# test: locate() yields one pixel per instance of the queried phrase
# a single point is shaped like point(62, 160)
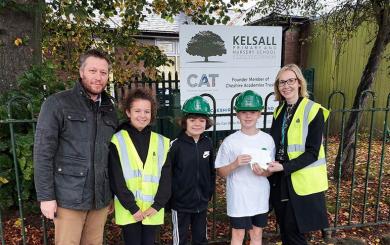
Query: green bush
point(30, 94)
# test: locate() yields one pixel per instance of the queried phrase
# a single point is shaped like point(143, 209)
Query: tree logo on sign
point(206, 44)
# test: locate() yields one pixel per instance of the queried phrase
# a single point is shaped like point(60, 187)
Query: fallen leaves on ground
point(368, 194)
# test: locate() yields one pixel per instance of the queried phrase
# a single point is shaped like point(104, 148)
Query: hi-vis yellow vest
point(142, 180)
point(312, 178)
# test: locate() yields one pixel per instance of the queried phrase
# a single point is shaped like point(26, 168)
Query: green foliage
point(72, 26)
point(30, 95)
point(24, 149)
point(127, 64)
point(7, 181)
point(286, 8)
point(24, 7)
point(39, 82)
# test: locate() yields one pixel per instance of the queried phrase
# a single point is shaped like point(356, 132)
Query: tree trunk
point(16, 57)
point(36, 43)
point(346, 151)
point(206, 59)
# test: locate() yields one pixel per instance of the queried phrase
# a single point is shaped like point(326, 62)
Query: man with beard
point(73, 133)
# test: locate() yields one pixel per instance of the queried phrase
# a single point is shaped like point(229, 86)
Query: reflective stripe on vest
point(312, 178)
point(138, 195)
point(141, 179)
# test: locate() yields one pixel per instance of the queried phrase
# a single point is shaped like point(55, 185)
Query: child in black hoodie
point(193, 174)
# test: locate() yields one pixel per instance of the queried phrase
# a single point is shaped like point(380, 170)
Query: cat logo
point(207, 80)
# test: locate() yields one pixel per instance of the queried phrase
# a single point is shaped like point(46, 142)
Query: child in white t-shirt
point(238, 159)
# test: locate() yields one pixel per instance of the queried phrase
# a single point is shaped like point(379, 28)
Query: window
point(171, 49)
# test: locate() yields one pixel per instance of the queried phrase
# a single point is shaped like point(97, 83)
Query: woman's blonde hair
point(302, 81)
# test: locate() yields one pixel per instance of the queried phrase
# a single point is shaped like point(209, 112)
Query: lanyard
point(284, 127)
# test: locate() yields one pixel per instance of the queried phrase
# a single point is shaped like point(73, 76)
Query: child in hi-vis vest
point(193, 173)
point(140, 176)
point(238, 159)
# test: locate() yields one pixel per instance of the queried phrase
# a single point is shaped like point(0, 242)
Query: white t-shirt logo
point(206, 154)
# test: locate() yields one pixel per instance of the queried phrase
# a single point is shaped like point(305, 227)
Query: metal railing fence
point(167, 92)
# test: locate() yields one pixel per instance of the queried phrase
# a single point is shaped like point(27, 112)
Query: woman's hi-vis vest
point(312, 178)
point(142, 180)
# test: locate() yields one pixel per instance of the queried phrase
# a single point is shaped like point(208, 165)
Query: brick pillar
point(291, 47)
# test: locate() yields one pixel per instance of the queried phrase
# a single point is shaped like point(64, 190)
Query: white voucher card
point(259, 156)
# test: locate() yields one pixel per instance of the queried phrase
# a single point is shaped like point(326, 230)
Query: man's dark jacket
point(193, 173)
point(73, 134)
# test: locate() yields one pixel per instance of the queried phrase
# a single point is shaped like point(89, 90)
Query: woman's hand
point(275, 166)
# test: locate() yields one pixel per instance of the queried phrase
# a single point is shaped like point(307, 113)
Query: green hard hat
point(196, 105)
point(248, 101)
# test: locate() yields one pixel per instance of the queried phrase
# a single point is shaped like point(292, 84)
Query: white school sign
point(223, 61)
